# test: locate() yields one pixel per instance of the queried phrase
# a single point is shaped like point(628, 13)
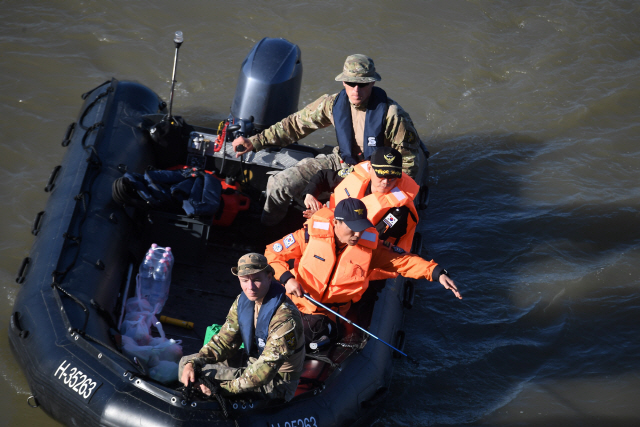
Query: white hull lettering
point(75, 380)
point(306, 422)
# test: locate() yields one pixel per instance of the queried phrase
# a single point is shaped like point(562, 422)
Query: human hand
point(205, 389)
point(449, 284)
point(294, 288)
point(242, 145)
point(312, 203)
point(188, 374)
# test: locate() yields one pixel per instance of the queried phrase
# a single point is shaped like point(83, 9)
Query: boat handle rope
point(35, 228)
point(86, 110)
point(86, 94)
point(22, 271)
point(52, 179)
point(67, 137)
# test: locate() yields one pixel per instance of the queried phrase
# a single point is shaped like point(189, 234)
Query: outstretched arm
point(396, 260)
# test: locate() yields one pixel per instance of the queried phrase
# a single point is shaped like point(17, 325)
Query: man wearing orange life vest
point(380, 183)
point(333, 255)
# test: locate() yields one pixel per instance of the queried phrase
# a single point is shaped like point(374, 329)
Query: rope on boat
point(189, 392)
point(86, 110)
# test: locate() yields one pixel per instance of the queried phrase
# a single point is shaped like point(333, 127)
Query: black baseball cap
point(387, 162)
point(354, 213)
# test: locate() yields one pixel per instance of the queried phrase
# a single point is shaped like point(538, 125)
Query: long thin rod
point(173, 80)
point(319, 304)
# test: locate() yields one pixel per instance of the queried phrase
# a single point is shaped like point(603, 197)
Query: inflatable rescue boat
point(65, 325)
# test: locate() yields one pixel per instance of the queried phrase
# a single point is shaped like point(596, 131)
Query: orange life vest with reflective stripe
point(378, 204)
point(354, 185)
point(327, 277)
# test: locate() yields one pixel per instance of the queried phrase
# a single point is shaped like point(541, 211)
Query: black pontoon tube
point(319, 304)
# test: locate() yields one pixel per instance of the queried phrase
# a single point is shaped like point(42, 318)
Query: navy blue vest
point(253, 338)
point(373, 124)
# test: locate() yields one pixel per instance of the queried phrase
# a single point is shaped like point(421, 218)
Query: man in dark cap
point(380, 183)
point(364, 119)
point(269, 325)
point(333, 255)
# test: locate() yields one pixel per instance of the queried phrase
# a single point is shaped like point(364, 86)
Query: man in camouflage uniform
point(269, 325)
point(395, 129)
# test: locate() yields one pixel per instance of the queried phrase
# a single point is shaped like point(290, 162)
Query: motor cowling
point(268, 87)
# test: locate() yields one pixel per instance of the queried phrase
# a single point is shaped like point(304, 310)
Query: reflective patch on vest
point(321, 225)
point(290, 339)
point(397, 249)
point(261, 342)
point(320, 258)
point(342, 173)
point(367, 235)
point(371, 141)
point(365, 166)
point(289, 240)
point(398, 193)
point(277, 247)
point(390, 220)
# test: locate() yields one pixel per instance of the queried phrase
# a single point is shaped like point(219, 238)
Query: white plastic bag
point(165, 372)
point(131, 349)
point(138, 330)
point(166, 349)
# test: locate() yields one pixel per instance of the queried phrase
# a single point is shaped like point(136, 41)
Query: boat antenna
point(177, 40)
point(319, 304)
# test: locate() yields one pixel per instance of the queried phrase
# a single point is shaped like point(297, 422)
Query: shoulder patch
point(289, 240)
point(397, 250)
point(342, 173)
point(290, 339)
point(277, 247)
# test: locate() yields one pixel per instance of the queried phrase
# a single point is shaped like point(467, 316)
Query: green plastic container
point(211, 331)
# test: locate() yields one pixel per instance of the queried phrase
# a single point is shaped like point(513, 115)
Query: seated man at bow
point(386, 191)
point(269, 325)
point(334, 254)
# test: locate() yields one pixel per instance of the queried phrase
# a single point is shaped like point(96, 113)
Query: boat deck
point(203, 287)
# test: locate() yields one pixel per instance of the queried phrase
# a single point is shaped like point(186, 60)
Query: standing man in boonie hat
point(386, 191)
point(269, 325)
point(364, 119)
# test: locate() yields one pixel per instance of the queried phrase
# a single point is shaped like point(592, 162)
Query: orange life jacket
point(378, 204)
point(328, 278)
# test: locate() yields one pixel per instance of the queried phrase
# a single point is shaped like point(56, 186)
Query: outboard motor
point(268, 88)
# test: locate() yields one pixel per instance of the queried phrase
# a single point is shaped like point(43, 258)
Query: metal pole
point(319, 304)
point(178, 42)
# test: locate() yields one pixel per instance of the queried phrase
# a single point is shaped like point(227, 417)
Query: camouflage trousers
point(288, 185)
point(277, 388)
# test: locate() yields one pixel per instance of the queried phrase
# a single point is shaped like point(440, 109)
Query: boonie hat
point(249, 264)
point(358, 69)
point(354, 213)
point(386, 162)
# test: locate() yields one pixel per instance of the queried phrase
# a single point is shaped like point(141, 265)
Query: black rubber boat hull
point(60, 323)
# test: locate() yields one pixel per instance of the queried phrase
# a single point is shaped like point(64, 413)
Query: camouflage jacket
point(399, 131)
point(285, 336)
